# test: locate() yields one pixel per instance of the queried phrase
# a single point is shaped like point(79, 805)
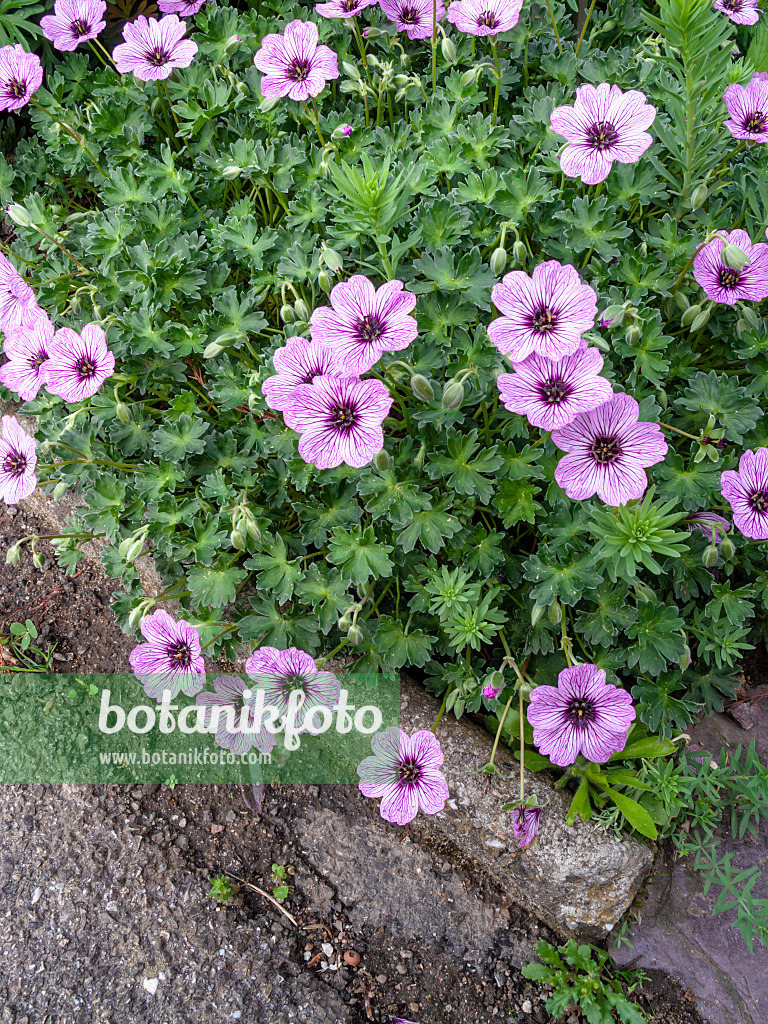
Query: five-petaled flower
point(583, 714)
point(525, 824)
point(342, 8)
point(231, 707)
point(21, 75)
point(152, 48)
point(544, 314)
point(726, 284)
point(416, 17)
point(27, 349)
point(18, 305)
point(363, 321)
point(553, 393)
point(73, 22)
point(748, 109)
point(604, 124)
point(18, 459)
point(300, 361)
point(742, 12)
point(294, 65)
point(608, 452)
point(484, 17)
point(339, 419)
point(79, 363)
point(746, 490)
point(282, 673)
point(171, 659)
point(186, 8)
point(405, 772)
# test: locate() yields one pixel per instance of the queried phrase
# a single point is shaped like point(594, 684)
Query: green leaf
point(757, 53)
point(636, 815)
point(514, 501)
point(325, 590)
point(319, 516)
point(398, 648)
point(566, 575)
point(580, 804)
point(359, 554)
point(177, 440)
point(276, 572)
point(465, 471)
point(657, 637)
point(431, 527)
point(212, 586)
point(718, 395)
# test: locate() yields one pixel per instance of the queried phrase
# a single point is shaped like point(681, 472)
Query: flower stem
point(666, 426)
point(498, 80)
point(65, 251)
point(315, 119)
point(554, 26)
point(364, 58)
point(434, 47)
point(74, 135)
point(440, 713)
point(501, 726)
point(584, 28)
point(218, 636)
point(98, 55)
point(322, 661)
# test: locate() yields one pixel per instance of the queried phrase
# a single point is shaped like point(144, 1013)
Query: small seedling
point(279, 875)
point(90, 687)
point(222, 889)
point(172, 782)
point(19, 642)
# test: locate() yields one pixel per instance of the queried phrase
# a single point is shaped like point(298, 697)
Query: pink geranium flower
point(18, 459)
point(742, 12)
point(73, 22)
point(415, 17)
point(294, 64)
point(27, 350)
point(300, 361)
point(186, 8)
point(748, 109)
point(18, 305)
point(725, 284)
point(152, 48)
point(544, 314)
point(525, 824)
point(231, 707)
point(603, 125)
point(343, 8)
point(21, 75)
point(281, 673)
point(405, 772)
point(171, 659)
point(362, 321)
point(747, 493)
point(79, 363)
point(608, 452)
point(484, 17)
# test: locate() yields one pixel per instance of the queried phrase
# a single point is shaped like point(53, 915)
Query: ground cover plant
point(429, 333)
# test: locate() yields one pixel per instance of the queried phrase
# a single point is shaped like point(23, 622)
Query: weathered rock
point(576, 879)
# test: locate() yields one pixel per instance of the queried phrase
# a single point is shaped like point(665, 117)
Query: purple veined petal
point(484, 17)
point(747, 493)
point(726, 285)
point(73, 22)
point(153, 49)
point(293, 63)
point(18, 460)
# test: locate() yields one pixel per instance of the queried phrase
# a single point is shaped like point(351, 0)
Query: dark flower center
point(17, 89)
point(732, 5)
point(158, 57)
point(488, 19)
point(299, 70)
point(409, 16)
point(544, 320)
point(370, 328)
point(309, 376)
point(80, 28)
point(86, 368)
point(180, 654)
point(580, 711)
point(293, 681)
point(38, 359)
point(758, 501)
point(410, 773)
point(555, 391)
point(15, 463)
point(344, 417)
point(602, 135)
point(755, 122)
point(348, 5)
point(605, 450)
point(728, 277)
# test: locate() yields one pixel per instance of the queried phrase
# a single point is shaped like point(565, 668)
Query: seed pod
point(20, 216)
point(710, 556)
point(325, 281)
point(498, 260)
point(13, 554)
point(734, 257)
point(212, 350)
point(448, 48)
point(632, 334)
point(287, 314)
point(681, 301)
point(519, 252)
point(727, 548)
point(355, 635)
point(555, 613)
point(230, 172)
point(453, 395)
point(421, 387)
point(237, 540)
point(537, 613)
point(381, 461)
point(700, 321)
point(59, 489)
point(698, 196)
point(690, 315)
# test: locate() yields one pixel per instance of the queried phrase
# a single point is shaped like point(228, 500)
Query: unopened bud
point(123, 412)
point(448, 48)
point(13, 554)
point(134, 549)
point(690, 315)
point(323, 169)
point(498, 261)
point(468, 78)
point(734, 257)
point(325, 281)
point(381, 461)
point(727, 548)
point(332, 260)
point(345, 622)
point(341, 131)
point(38, 559)
point(212, 350)
point(710, 556)
point(700, 321)
point(301, 310)
point(698, 196)
point(751, 317)
point(138, 613)
point(632, 334)
point(231, 45)
point(372, 33)
point(230, 172)
point(20, 216)
point(59, 489)
point(355, 635)
point(681, 301)
point(613, 317)
point(422, 388)
point(519, 252)
point(555, 613)
point(685, 658)
point(269, 103)
point(287, 314)
point(537, 613)
point(453, 395)
point(400, 81)
point(421, 454)
point(237, 540)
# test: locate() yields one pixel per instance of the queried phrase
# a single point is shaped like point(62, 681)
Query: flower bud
point(134, 549)
point(323, 170)
point(138, 613)
point(448, 48)
point(681, 300)
point(59, 489)
point(690, 315)
point(698, 196)
point(355, 635)
point(710, 556)
point(332, 260)
point(468, 78)
point(727, 548)
point(421, 387)
point(418, 462)
point(555, 613)
point(301, 310)
point(231, 45)
point(381, 461)
point(400, 81)
point(372, 33)
point(38, 559)
point(287, 314)
point(498, 260)
point(734, 257)
point(13, 555)
point(269, 103)
point(405, 61)
point(230, 172)
point(632, 334)
point(537, 614)
point(453, 395)
point(345, 622)
point(751, 317)
point(612, 317)
point(325, 281)
point(212, 350)
point(700, 321)
point(123, 412)
point(685, 658)
point(20, 216)
point(237, 540)
point(341, 131)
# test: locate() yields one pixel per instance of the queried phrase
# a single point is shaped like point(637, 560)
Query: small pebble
point(401, 969)
point(327, 949)
point(352, 957)
point(150, 984)
point(382, 979)
point(36, 895)
point(527, 1006)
